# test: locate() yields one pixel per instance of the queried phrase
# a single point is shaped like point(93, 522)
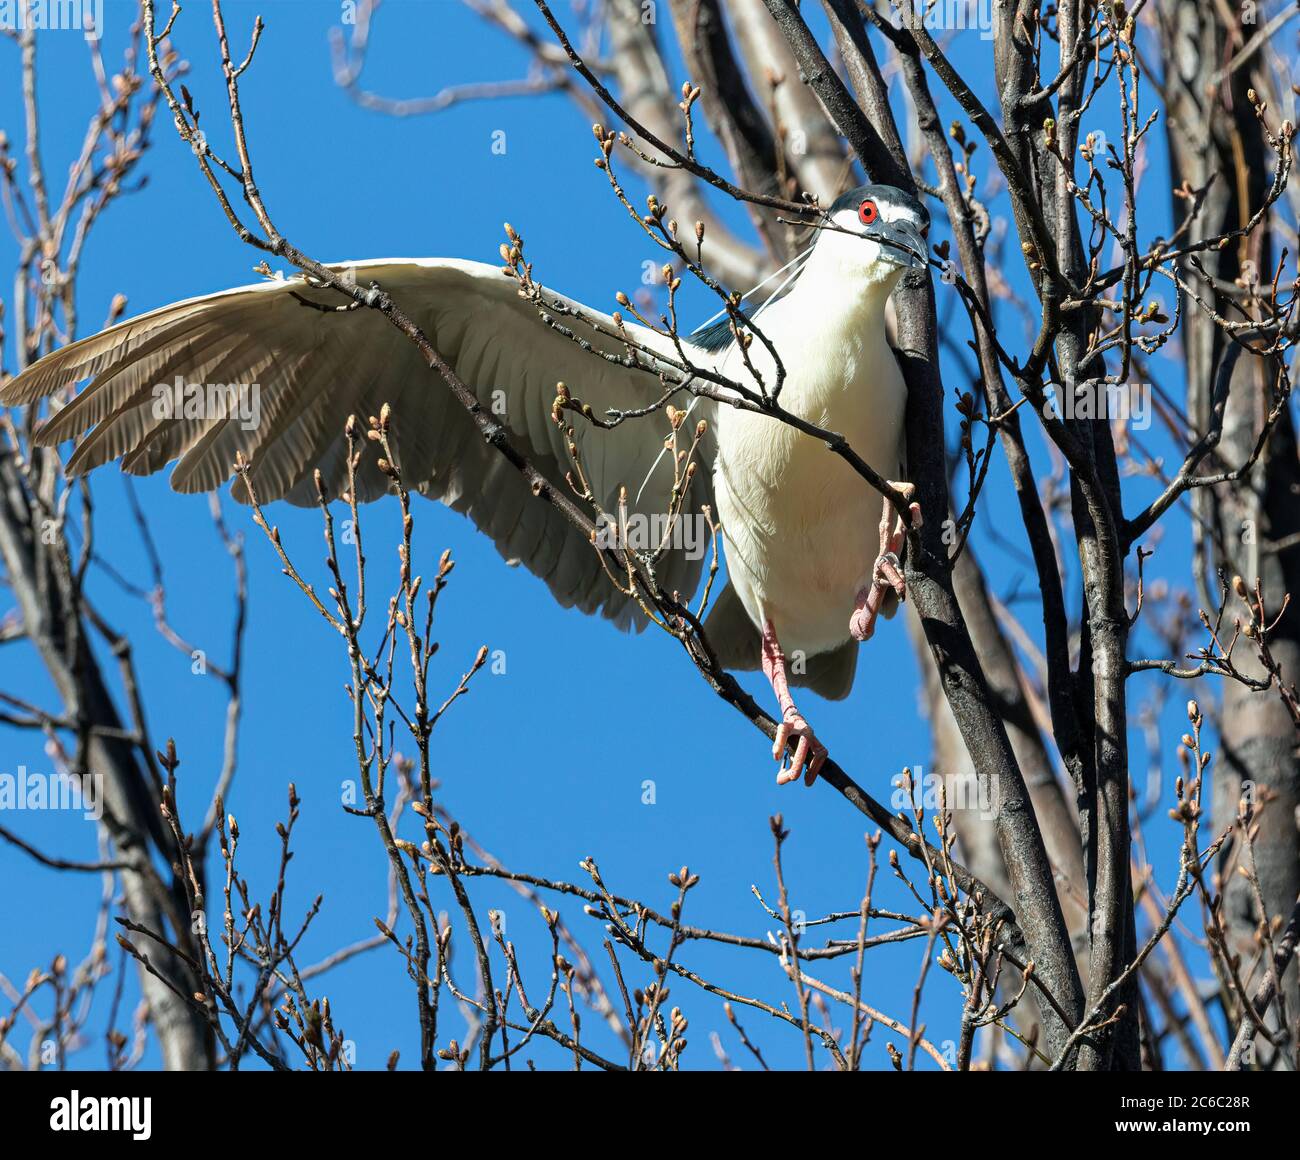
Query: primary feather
point(313, 368)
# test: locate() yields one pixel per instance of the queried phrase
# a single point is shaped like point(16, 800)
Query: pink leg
point(809, 753)
point(888, 572)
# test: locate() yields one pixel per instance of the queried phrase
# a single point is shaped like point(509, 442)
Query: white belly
point(801, 527)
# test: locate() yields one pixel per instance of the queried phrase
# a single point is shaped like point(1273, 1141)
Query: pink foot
point(887, 572)
point(809, 753)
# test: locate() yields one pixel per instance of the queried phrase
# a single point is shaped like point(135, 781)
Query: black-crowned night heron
point(807, 578)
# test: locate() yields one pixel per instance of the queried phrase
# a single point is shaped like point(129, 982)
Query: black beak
point(900, 243)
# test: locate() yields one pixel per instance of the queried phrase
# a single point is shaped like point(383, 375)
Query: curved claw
point(809, 753)
point(888, 574)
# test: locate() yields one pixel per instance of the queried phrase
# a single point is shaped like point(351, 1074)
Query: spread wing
point(293, 374)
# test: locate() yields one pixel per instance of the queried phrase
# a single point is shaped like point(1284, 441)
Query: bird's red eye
point(867, 212)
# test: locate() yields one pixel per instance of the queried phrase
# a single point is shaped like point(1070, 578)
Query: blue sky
point(545, 763)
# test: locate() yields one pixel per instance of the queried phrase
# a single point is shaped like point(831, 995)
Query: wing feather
point(305, 370)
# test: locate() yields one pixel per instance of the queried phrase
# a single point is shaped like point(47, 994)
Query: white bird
point(272, 371)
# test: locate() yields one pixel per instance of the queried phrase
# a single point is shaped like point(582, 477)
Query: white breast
point(800, 525)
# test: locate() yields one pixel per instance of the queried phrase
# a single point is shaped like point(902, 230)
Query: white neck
point(838, 271)
point(833, 296)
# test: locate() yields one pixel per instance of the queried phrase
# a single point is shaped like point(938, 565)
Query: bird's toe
point(809, 753)
point(889, 574)
point(862, 623)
